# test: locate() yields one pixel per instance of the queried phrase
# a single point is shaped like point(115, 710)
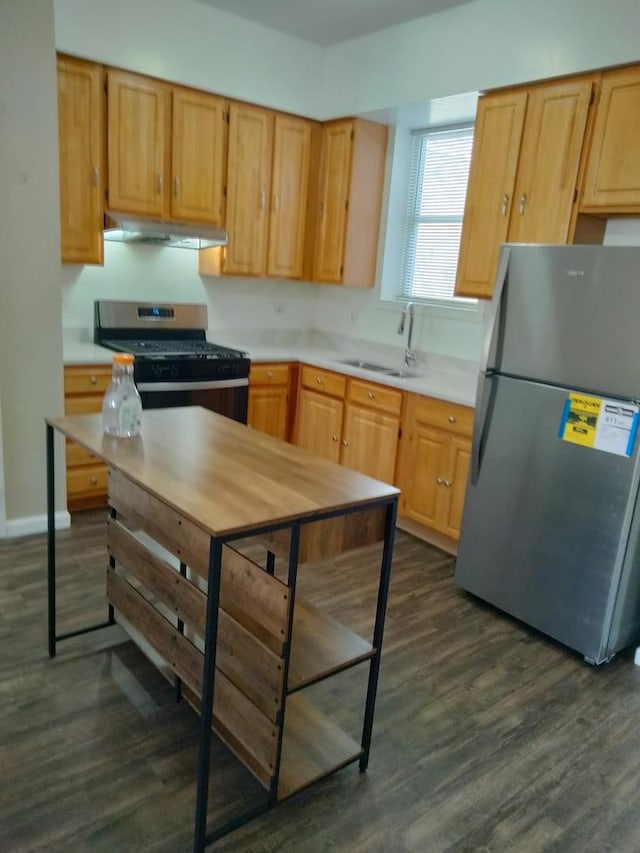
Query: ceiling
point(329, 22)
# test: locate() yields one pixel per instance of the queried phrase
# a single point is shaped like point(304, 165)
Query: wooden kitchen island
point(240, 643)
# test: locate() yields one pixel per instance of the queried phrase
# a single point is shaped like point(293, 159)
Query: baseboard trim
point(428, 536)
point(31, 524)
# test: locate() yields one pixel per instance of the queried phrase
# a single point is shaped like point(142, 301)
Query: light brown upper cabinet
point(267, 196)
point(167, 150)
point(248, 188)
point(524, 173)
point(289, 193)
point(496, 145)
point(612, 178)
point(350, 184)
point(198, 156)
point(552, 142)
point(81, 150)
point(139, 113)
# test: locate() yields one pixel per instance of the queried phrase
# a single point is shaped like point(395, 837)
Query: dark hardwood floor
point(487, 736)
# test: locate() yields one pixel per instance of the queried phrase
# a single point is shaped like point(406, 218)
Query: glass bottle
point(122, 406)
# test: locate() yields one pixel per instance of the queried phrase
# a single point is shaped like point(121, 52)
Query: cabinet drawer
point(87, 379)
point(83, 405)
point(375, 396)
point(438, 413)
point(269, 374)
point(77, 456)
point(323, 380)
point(90, 480)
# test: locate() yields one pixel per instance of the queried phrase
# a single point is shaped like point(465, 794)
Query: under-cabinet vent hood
point(154, 232)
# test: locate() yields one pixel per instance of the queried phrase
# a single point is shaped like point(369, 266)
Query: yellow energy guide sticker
point(580, 419)
point(609, 425)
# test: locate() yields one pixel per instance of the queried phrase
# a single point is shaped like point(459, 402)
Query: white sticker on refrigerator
point(608, 425)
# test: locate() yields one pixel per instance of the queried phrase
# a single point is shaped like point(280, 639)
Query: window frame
point(413, 219)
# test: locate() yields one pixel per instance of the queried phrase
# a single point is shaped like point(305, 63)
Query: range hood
point(154, 232)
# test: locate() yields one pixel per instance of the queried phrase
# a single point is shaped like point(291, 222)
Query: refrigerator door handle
point(490, 352)
point(480, 417)
point(489, 345)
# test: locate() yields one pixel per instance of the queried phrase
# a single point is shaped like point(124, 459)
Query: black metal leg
point(178, 681)
point(206, 709)
point(374, 668)
point(51, 543)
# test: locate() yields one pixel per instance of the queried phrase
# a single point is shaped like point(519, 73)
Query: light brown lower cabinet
point(349, 421)
point(87, 479)
point(434, 463)
point(269, 399)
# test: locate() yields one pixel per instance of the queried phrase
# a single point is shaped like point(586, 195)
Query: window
point(439, 172)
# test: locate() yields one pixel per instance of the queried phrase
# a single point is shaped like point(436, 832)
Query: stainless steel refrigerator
point(550, 532)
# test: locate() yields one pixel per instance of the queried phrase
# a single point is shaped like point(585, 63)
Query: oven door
point(227, 397)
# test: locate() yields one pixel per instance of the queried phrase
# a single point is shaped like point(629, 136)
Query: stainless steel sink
point(366, 365)
point(397, 372)
point(404, 374)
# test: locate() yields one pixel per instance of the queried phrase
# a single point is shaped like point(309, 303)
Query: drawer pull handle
point(345, 443)
point(505, 204)
point(447, 484)
point(94, 481)
point(334, 438)
point(371, 395)
point(452, 419)
point(440, 481)
point(318, 380)
point(269, 374)
point(94, 380)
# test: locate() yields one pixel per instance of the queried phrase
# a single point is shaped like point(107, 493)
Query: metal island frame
point(241, 645)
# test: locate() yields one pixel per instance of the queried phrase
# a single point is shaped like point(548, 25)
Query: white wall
point(191, 43)
point(479, 45)
point(150, 273)
point(30, 311)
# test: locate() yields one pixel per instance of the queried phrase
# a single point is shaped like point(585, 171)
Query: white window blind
point(439, 172)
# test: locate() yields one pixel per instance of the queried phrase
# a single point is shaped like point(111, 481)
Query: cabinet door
point(334, 180)
point(549, 158)
point(268, 410)
point(199, 150)
point(319, 424)
point(291, 152)
point(80, 132)
point(496, 145)
point(424, 493)
point(139, 110)
point(249, 178)
point(612, 178)
point(370, 443)
point(458, 474)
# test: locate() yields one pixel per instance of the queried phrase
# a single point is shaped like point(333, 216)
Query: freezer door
point(569, 316)
point(545, 525)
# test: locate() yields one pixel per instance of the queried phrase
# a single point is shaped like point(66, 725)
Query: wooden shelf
point(321, 646)
point(312, 747)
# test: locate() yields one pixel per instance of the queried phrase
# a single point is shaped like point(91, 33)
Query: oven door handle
point(209, 385)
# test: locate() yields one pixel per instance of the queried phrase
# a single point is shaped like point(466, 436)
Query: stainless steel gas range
point(175, 365)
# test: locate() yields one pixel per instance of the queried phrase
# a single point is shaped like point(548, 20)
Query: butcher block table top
point(223, 476)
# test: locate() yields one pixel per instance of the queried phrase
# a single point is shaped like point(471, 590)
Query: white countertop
point(446, 378)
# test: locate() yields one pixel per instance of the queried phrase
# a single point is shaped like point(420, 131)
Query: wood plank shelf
point(312, 747)
point(321, 646)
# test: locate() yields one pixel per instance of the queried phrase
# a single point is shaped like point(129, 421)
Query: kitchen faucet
point(409, 355)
